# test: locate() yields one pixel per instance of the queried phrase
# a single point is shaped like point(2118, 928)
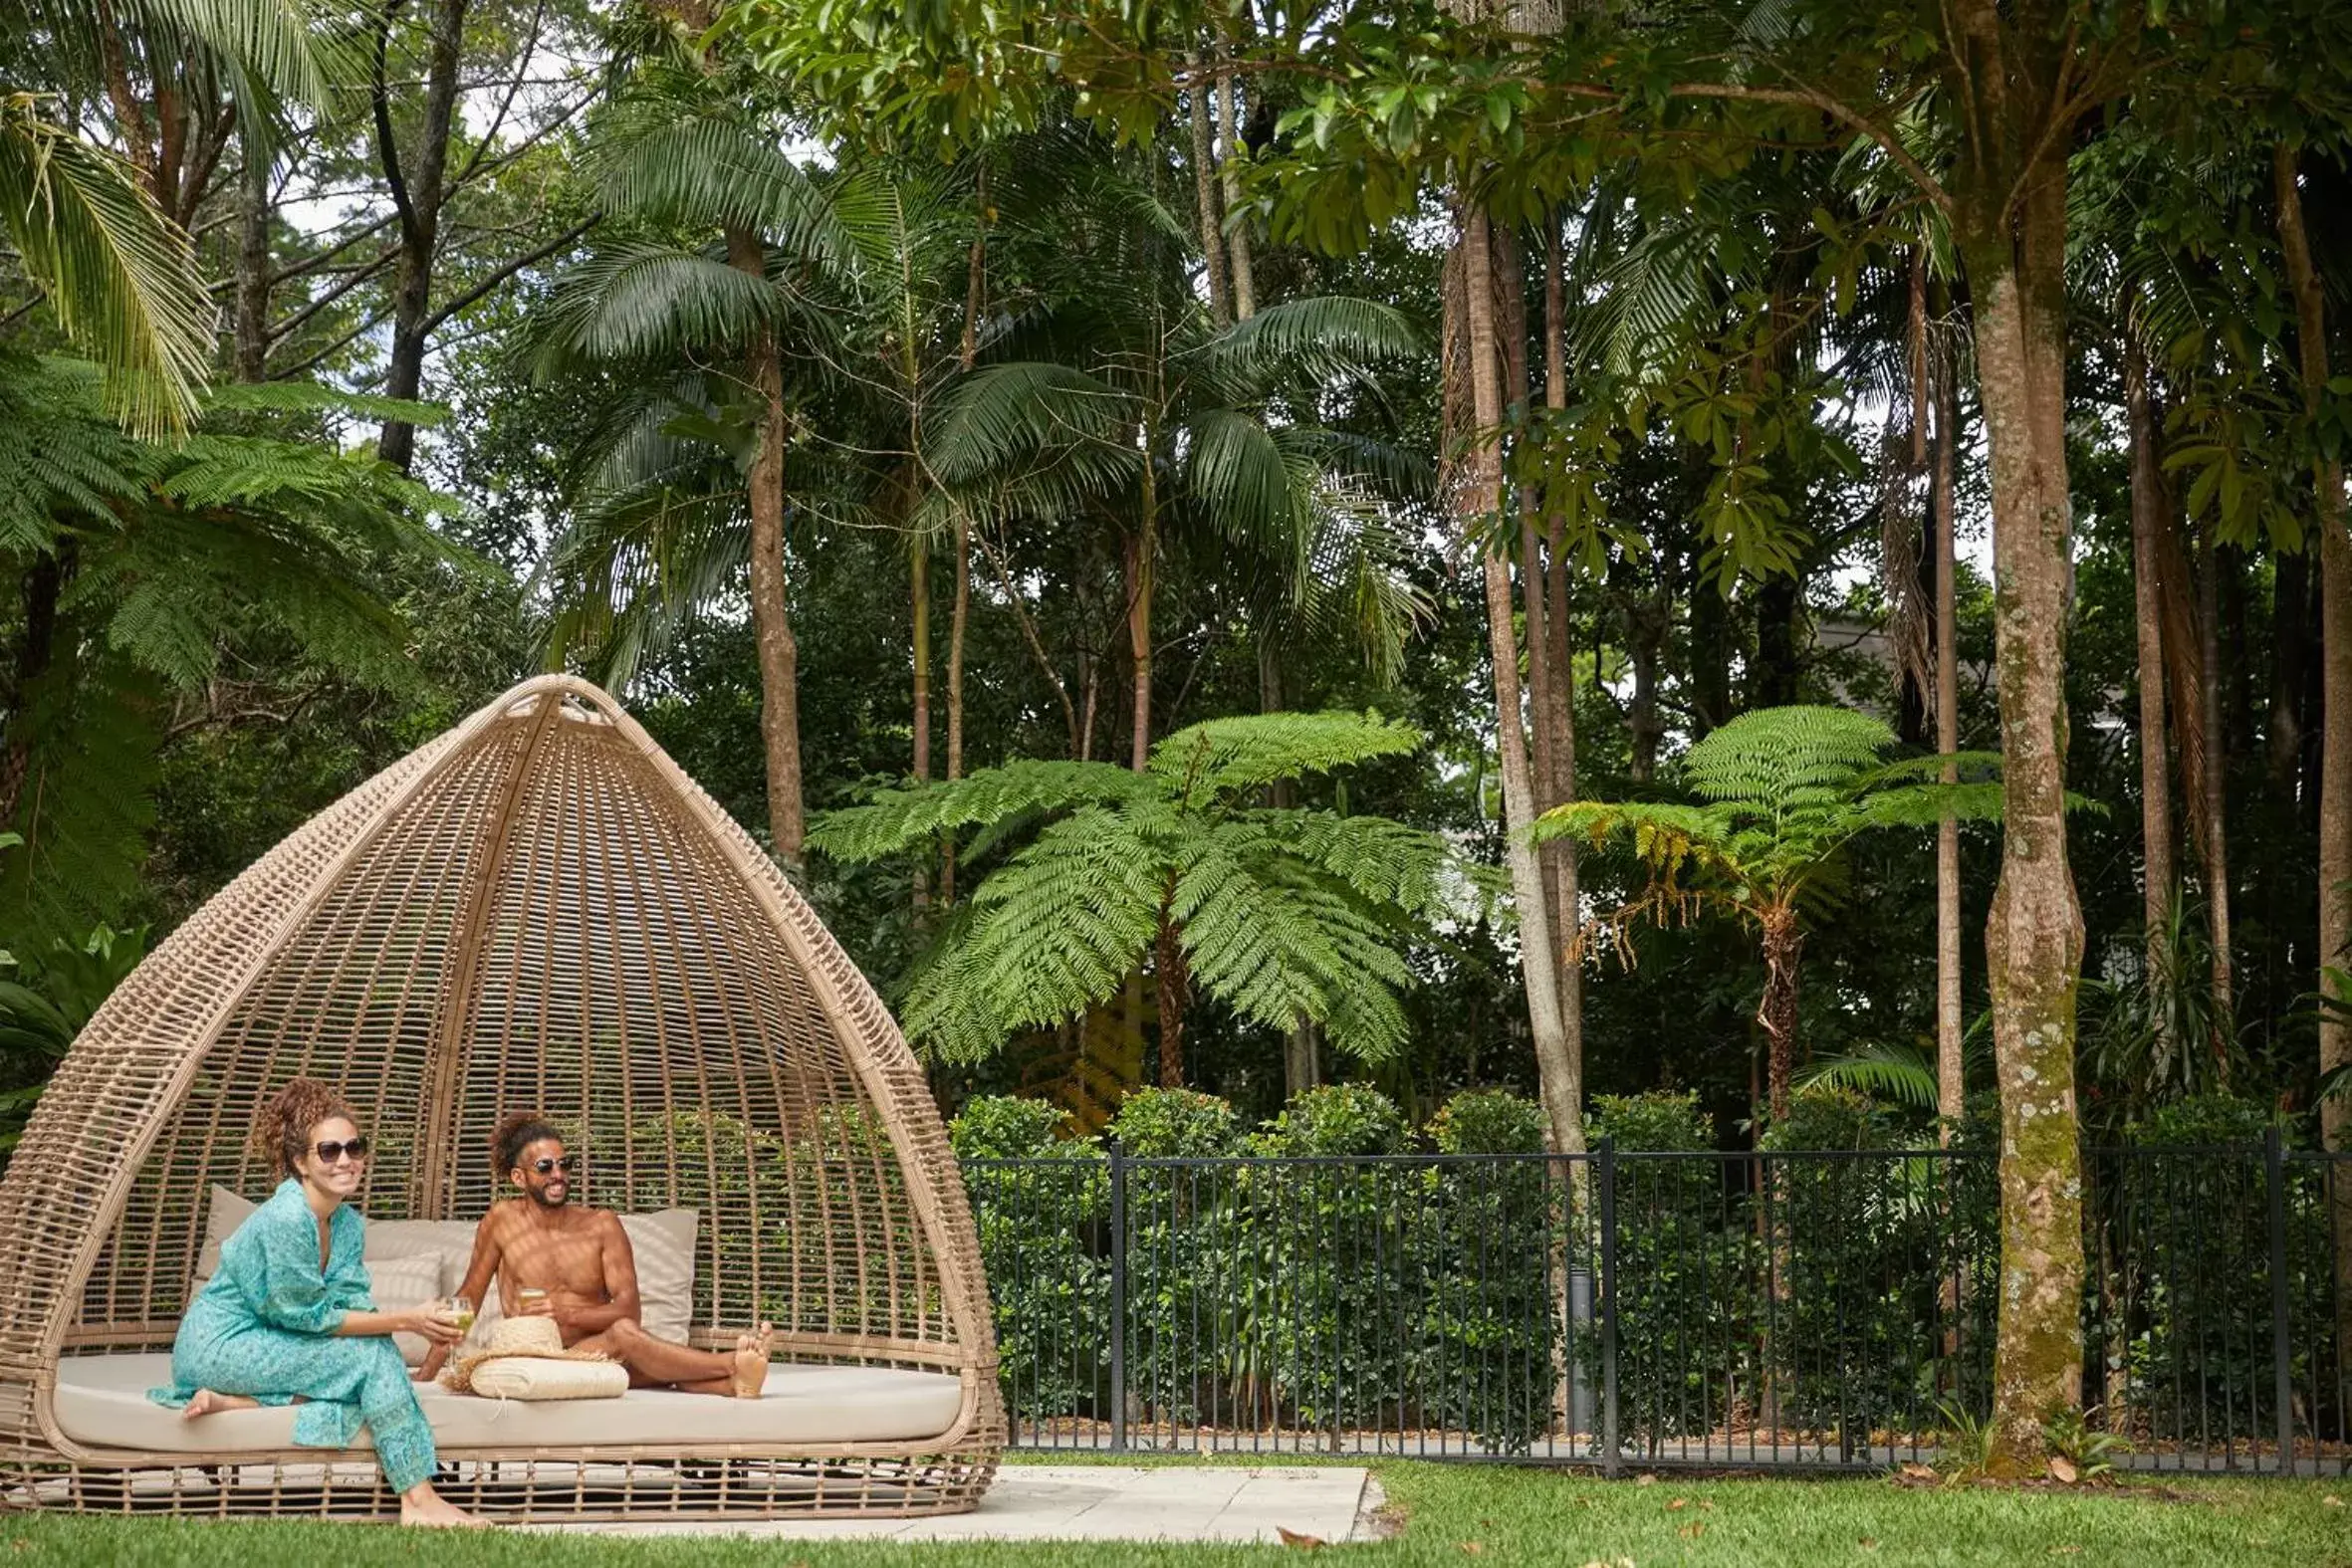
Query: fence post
point(1118, 1295)
point(1610, 1462)
point(2275, 1178)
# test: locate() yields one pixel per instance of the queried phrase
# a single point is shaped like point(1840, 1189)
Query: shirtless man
point(580, 1259)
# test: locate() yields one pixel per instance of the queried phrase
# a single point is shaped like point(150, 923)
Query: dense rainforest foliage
point(1080, 482)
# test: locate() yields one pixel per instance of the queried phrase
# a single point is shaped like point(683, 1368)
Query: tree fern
point(1783, 793)
point(1282, 915)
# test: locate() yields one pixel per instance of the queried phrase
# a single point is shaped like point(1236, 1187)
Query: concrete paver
point(1096, 1503)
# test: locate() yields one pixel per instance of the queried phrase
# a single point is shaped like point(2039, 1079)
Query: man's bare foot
point(428, 1509)
point(206, 1402)
point(751, 1361)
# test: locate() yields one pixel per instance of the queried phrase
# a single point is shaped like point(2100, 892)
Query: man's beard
point(539, 1196)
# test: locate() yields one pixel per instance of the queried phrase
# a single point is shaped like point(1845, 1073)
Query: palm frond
point(121, 277)
point(710, 169)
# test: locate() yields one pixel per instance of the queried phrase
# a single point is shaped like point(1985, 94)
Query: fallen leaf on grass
point(1473, 1548)
point(1294, 1538)
point(1692, 1531)
point(1918, 1472)
point(2065, 1552)
point(2062, 1471)
point(1868, 1543)
point(1678, 1504)
point(1645, 1481)
point(2332, 1500)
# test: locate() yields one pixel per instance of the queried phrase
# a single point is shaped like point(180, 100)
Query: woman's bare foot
point(751, 1361)
point(428, 1509)
point(206, 1402)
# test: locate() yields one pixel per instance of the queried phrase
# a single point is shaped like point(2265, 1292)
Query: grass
point(1451, 1513)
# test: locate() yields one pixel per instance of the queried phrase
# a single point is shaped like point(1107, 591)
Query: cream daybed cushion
point(663, 1245)
point(103, 1401)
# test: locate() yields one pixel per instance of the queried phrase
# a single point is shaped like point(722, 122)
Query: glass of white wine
point(462, 1308)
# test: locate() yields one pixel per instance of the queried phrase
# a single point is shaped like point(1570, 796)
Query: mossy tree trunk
point(2011, 221)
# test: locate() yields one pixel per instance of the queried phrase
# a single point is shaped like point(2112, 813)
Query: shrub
point(1488, 1121)
point(1336, 1119)
point(1684, 1266)
point(1856, 1276)
point(1040, 1239)
point(1176, 1124)
point(1344, 1273)
point(1010, 1127)
point(1660, 1120)
point(1497, 1273)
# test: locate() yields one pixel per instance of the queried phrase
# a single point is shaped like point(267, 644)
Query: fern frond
point(898, 820)
point(1221, 757)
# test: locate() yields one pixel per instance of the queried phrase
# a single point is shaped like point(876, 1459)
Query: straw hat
point(534, 1347)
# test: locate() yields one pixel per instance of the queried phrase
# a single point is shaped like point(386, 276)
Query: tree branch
point(508, 269)
point(379, 100)
point(1853, 119)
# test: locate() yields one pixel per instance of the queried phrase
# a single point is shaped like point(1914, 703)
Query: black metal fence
point(1786, 1309)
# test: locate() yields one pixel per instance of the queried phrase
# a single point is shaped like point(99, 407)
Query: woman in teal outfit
point(289, 1319)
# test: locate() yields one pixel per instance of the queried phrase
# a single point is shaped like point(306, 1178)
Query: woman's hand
point(433, 1321)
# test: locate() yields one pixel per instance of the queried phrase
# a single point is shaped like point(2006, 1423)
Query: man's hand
point(566, 1306)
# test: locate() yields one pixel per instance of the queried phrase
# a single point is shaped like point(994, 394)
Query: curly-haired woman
point(289, 1317)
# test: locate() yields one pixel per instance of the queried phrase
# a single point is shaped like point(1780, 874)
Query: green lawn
point(1451, 1513)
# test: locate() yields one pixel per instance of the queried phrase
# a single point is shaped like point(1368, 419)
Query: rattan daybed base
point(538, 909)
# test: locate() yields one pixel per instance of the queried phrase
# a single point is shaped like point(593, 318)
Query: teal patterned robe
point(264, 1328)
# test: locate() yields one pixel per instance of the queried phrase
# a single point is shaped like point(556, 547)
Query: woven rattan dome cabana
point(538, 909)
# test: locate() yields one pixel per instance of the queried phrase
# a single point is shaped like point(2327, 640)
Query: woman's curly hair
point(283, 1131)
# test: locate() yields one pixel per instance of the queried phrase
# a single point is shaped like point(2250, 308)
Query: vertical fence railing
point(1799, 1309)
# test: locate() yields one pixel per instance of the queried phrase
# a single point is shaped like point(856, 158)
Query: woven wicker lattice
point(538, 910)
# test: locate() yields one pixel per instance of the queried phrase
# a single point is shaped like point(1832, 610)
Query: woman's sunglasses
point(331, 1151)
point(569, 1164)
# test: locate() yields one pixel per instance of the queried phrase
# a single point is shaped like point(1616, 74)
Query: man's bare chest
point(553, 1260)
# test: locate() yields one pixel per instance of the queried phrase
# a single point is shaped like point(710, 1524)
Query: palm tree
point(1125, 400)
point(1784, 790)
point(1280, 913)
point(686, 321)
point(86, 223)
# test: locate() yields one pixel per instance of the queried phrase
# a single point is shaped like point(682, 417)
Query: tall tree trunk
point(2214, 791)
point(252, 350)
point(1556, 711)
point(959, 617)
point(1773, 682)
point(2335, 766)
point(919, 614)
point(1646, 628)
point(1139, 547)
point(1237, 238)
point(2291, 673)
point(2013, 238)
point(1950, 1077)
point(36, 649)
point(1478, 496)
point(416, 198)
point(1204, 191)
point(1711, 655)
point(772, 629)
point(2150, 503)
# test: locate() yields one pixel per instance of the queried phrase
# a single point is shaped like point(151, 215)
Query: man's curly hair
point(513, 1135)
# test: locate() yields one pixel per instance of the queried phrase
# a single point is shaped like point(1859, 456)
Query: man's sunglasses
point(331, 1151)
point(569, 1164)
